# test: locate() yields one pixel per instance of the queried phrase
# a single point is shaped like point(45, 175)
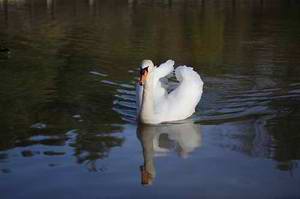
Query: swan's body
point(155, 105)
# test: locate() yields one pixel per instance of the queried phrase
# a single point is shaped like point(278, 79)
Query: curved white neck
point(147, 109)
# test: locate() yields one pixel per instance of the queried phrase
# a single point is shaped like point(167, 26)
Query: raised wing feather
point(183, 100)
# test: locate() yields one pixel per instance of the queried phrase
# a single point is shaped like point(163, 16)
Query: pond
point(68, 70)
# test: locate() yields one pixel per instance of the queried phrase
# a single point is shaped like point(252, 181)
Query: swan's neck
point(148, 110)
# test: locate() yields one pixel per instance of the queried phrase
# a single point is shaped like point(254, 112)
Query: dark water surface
point(67, 75)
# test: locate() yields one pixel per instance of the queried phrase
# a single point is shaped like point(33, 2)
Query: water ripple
point(231, 103)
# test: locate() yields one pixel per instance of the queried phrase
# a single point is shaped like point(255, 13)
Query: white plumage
point(155, 105)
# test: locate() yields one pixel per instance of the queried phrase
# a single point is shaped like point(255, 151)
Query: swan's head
point(146, 67)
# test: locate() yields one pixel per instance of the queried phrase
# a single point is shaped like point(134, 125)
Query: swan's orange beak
point(143, 77)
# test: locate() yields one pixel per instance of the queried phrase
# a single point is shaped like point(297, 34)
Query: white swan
point(155, 105)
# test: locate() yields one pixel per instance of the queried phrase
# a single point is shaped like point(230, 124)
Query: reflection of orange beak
point(146, 176)
point(143, 78)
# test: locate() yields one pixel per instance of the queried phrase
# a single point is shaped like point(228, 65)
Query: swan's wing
point(160, 91)
point(190, 83)
point(164, 82)
point(183, 100)
point(164, 69)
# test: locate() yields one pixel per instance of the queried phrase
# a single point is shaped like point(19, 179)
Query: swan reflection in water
point(159, 140)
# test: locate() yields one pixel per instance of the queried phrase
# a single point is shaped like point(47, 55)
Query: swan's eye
point(142, 72)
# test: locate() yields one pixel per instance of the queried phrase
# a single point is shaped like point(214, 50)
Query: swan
point(154, 104)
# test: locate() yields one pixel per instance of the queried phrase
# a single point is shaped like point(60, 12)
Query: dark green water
point(67, 75)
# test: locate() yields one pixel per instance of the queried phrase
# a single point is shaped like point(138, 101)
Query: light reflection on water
point(67, 98)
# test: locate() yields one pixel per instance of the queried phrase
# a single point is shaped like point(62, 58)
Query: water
point(67, 114)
